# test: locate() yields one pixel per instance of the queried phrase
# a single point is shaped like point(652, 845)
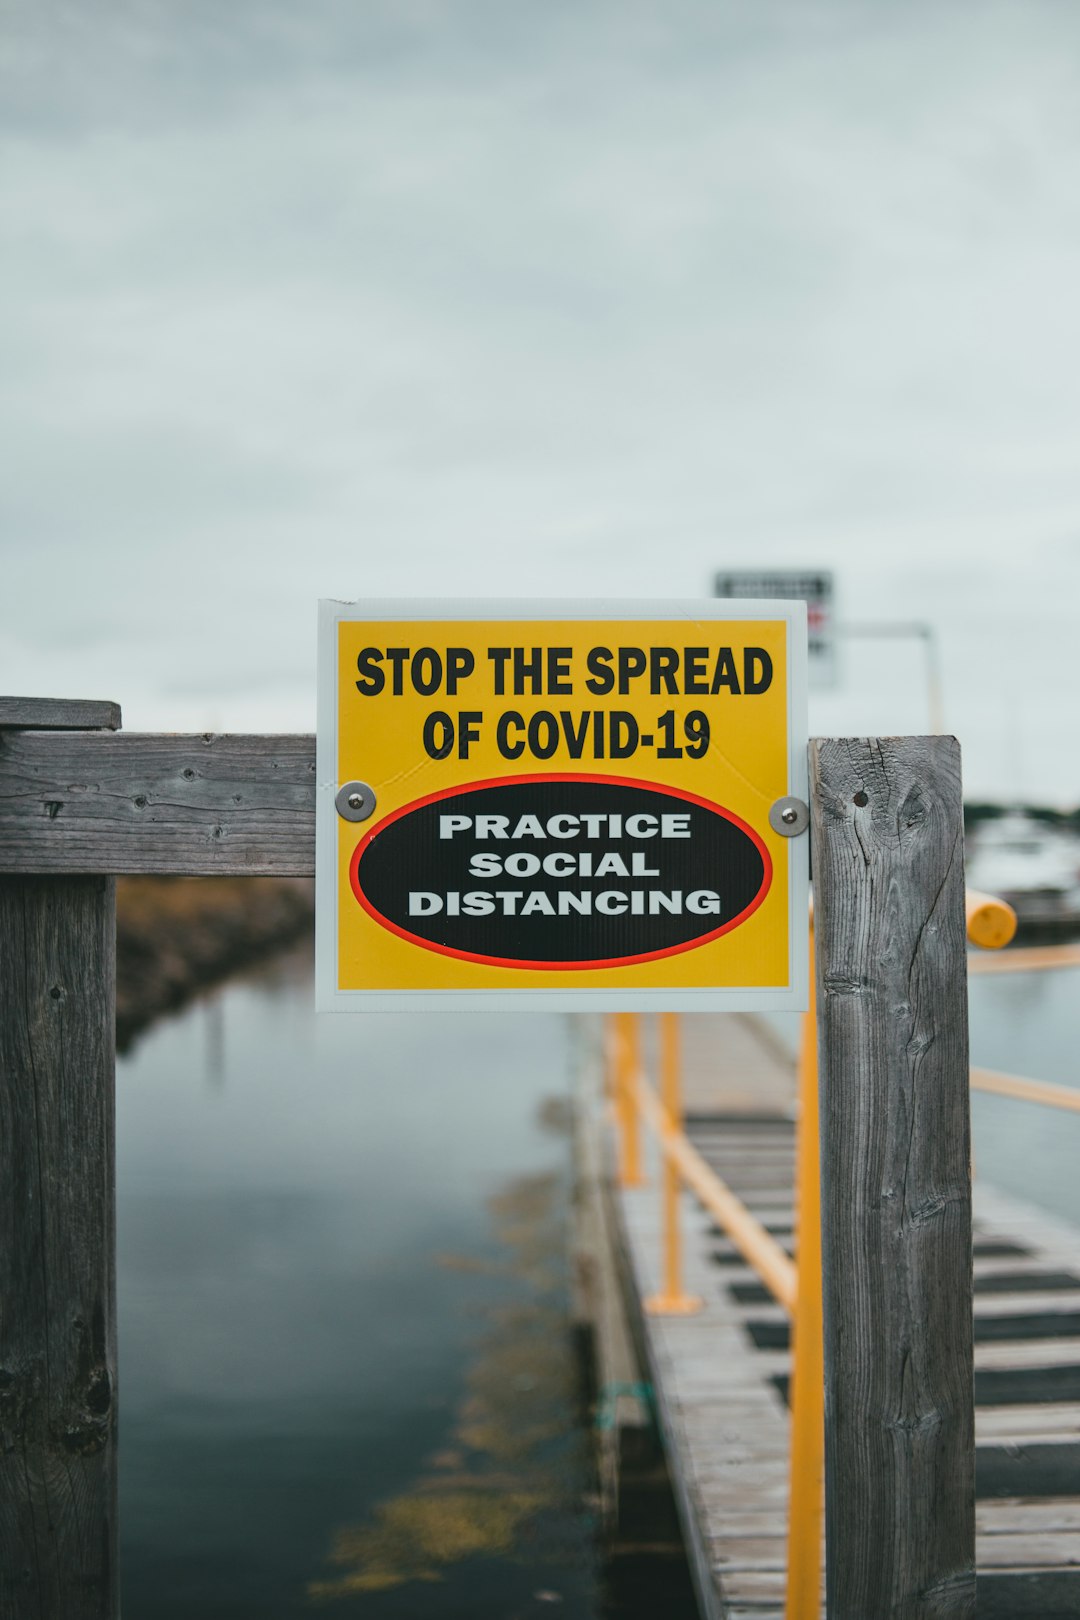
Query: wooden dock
point(721, 1377)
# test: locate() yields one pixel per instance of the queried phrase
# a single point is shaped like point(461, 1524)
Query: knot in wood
point(920, 1042)
point(930, 1209)
point(847, 984)
point(953, 1594)
point(19, 1395)
point(90, 1427)
point(914, 811)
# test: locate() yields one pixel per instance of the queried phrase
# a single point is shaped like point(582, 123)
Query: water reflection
point(214, 1025)
point(342, 1300)
point(510, 1484)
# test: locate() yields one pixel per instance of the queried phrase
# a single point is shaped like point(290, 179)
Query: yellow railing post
point(611, 1058)
point(671, 1300)
point(806, 1506)
point(628, 1064)
point(757, 1246)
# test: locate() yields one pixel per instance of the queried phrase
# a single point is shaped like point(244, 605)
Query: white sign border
point(792, 997)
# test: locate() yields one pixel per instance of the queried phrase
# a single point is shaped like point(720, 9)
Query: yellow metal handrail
point(1036, 1091)
point(672, 1299)
point(634, 1099)
point(1028, 959)
point(806, 1466)
point(757, 1246)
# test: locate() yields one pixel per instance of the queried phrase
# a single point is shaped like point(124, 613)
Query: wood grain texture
point(63, 714)
point(890, 923)
point(130, 803)
point(57, 1256)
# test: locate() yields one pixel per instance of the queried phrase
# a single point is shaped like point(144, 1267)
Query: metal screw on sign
point(355, 801)
point(789, 817)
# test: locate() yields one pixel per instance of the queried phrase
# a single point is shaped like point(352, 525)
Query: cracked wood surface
point(57, 1250)
point(197, 806)
point(889, 915)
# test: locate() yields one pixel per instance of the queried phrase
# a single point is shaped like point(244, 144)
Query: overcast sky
point(541, 297)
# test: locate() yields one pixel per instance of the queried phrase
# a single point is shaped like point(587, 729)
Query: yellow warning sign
point(550, 806)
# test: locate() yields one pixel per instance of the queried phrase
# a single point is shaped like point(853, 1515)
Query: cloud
point(530, 299)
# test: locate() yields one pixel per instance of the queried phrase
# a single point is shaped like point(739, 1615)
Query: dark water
point(348, 1386)
point(1028, 1024)
point(347, 1379)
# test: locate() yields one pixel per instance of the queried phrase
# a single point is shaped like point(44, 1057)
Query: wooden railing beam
point(59, 714)
point(195, 806)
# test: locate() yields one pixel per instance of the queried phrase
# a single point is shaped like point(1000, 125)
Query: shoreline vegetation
point(177, 936)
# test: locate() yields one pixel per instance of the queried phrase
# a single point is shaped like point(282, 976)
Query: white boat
point(1029, 863)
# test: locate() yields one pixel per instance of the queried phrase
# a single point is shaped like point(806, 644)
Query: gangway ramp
point(721, 1377)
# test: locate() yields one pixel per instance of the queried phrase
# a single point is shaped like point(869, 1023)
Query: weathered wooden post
point(80, 802)
point(57, 1243)
point(896, 1187)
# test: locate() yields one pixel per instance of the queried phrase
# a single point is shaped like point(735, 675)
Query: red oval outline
point(560, 967)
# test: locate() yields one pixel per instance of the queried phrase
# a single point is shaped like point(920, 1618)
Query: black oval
point(405, 856)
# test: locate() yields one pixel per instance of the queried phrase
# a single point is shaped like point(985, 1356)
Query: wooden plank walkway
point(721, 1376)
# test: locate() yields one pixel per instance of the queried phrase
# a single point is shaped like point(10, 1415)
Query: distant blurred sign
point(812, 586)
